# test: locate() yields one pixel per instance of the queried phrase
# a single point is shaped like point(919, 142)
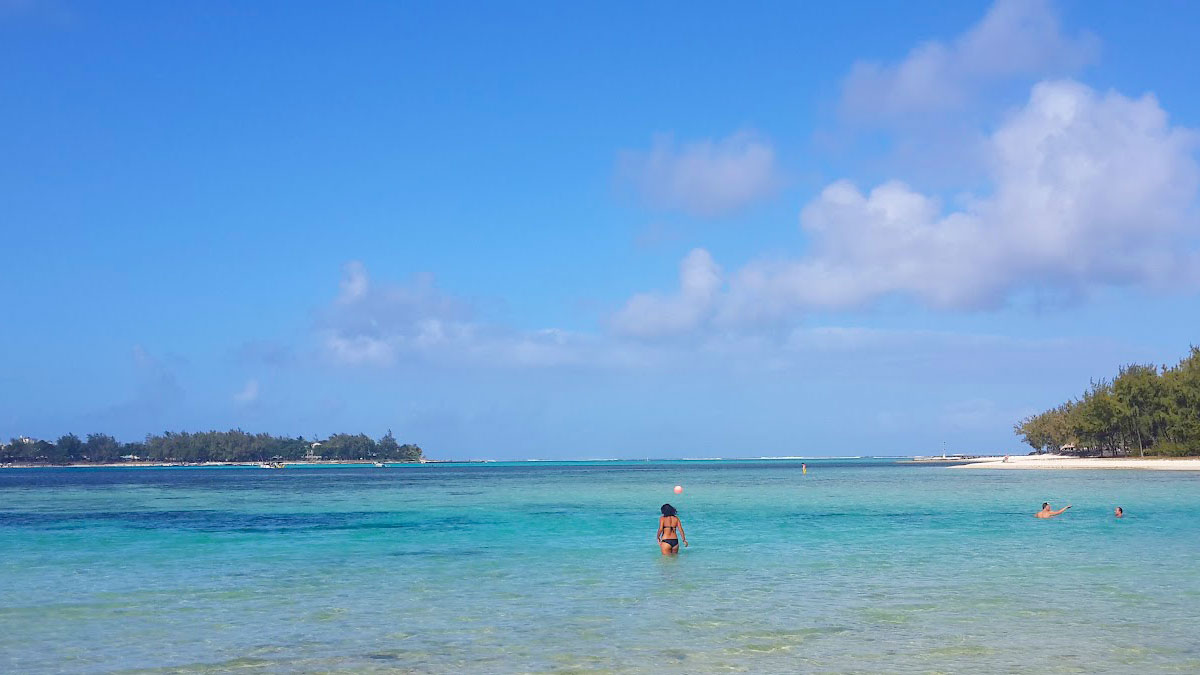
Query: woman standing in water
point(668, 523)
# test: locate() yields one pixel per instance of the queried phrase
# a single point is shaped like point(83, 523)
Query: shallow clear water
point(859, 566)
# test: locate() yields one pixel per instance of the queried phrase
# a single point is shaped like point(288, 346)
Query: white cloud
point(374, 324)
point(248, 394)
point(1015, 39)
point(476, 345)
point(359, 350)
point(383, 325)
point(651, 314)
point(1088, 189)
point(703, 178)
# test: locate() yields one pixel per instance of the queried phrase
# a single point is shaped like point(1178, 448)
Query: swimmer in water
point(1047, 513)
point(1119, 512)
point(668, 541)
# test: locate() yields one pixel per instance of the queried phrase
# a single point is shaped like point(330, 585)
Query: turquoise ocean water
point(859, 566)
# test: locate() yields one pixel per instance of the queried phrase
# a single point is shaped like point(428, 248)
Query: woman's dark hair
point(1045, 504)
point(668, 510)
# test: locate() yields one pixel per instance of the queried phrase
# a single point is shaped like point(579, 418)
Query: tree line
point(1145, 409)
point(207, 446)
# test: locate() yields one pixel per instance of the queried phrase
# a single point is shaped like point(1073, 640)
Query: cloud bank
point(1088, 189)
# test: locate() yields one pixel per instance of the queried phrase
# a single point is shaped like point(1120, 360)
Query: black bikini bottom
point(673, 543)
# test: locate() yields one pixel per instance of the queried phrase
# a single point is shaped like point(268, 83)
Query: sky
point(592, 230)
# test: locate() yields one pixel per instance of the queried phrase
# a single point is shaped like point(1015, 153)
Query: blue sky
point(592, 230)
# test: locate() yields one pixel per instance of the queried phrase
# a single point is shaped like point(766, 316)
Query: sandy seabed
point(1068, 462)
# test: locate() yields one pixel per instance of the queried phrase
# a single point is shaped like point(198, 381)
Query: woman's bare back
point(668, 525)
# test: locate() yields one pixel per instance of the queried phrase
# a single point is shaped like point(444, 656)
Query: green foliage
point(101, 448)
point(208, 446)
point(1051, 430)
point(1144, 410)
point(1171, 449)
point(66, 447)
point(405, 453)
point(345, 446)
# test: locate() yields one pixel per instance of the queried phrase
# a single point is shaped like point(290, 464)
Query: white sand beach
point(1068, 462)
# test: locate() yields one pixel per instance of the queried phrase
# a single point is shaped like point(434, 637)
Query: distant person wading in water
point(668, 540)
point(1047, 513)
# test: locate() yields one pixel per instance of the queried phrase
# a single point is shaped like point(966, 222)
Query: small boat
point(380, 464)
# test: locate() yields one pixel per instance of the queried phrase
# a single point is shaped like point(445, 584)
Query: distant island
point(1145, 410)
point(234, 446)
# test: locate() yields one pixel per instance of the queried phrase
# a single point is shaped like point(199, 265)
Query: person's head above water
point(1045, 505)
point(1118, 512)
point(668, 510)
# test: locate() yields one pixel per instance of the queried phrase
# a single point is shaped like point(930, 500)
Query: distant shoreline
point(140, 464)
point(1043, 462)
point(1021, 462)
point(180, 465)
